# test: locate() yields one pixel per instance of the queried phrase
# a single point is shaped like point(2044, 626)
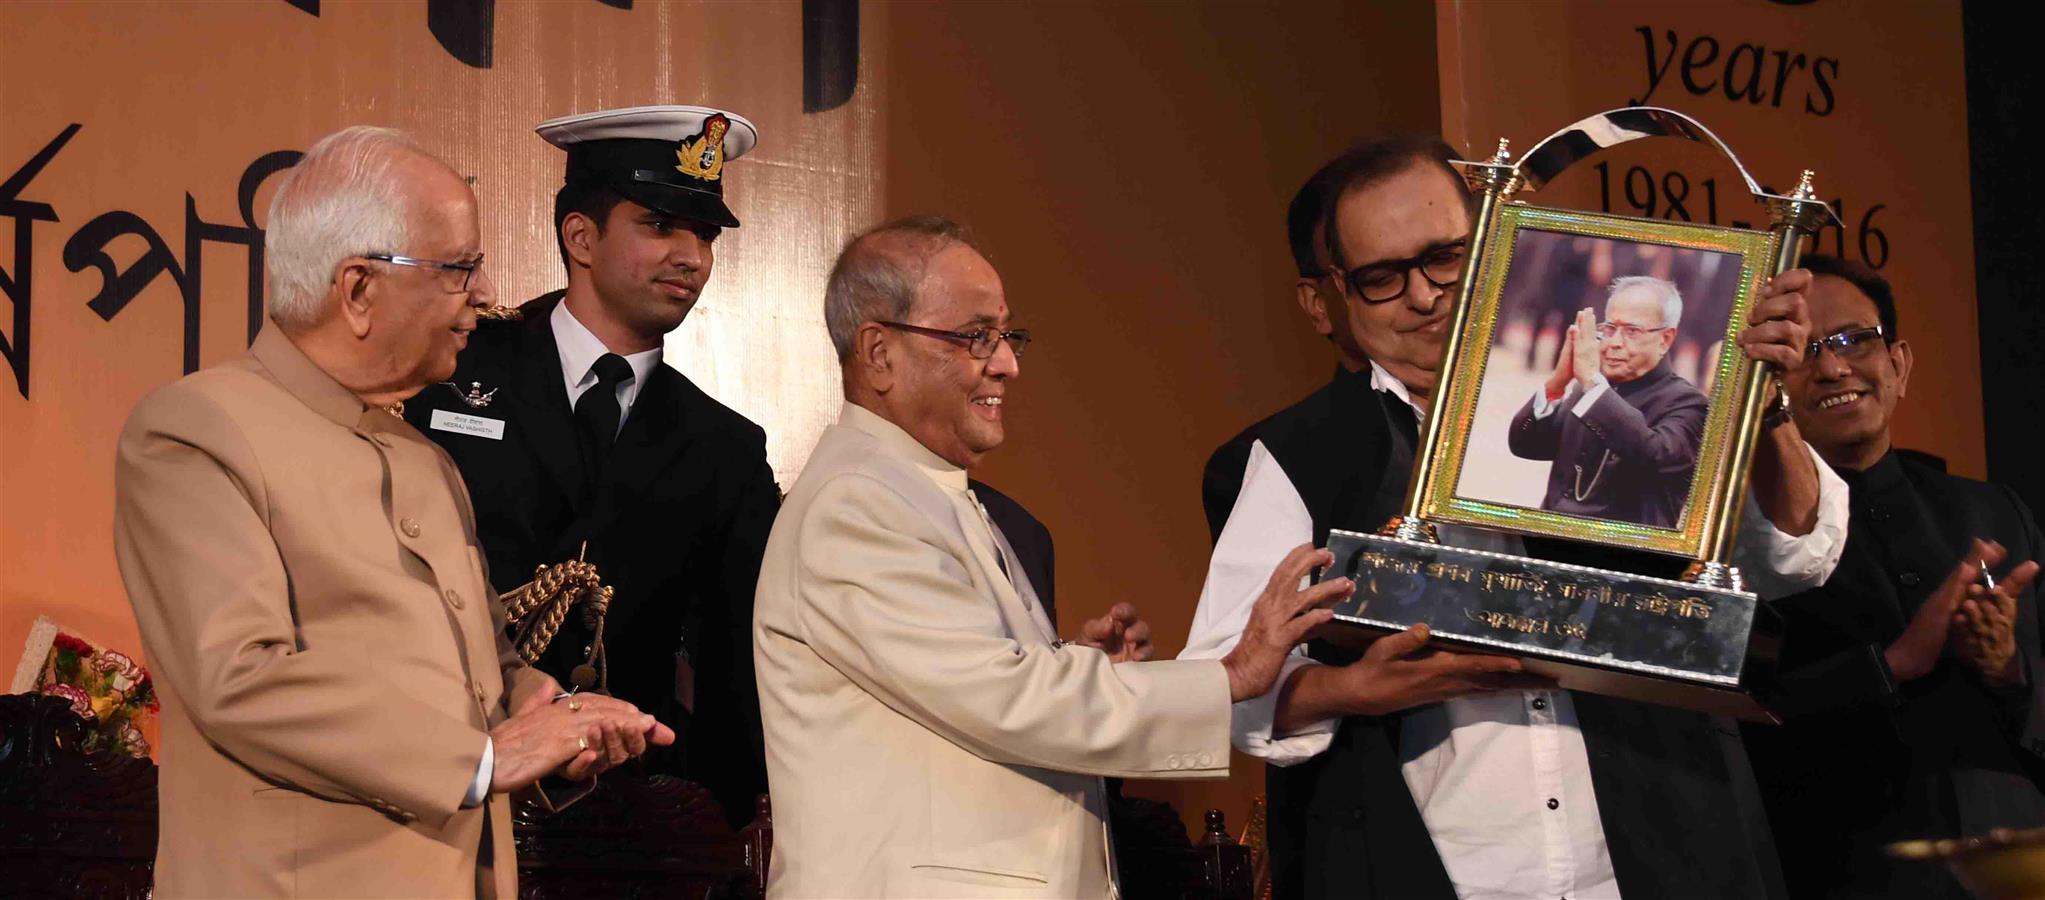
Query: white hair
point(341, 200)
point(1672, 300)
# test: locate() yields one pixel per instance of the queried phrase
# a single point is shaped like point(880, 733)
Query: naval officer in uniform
point(577, 443)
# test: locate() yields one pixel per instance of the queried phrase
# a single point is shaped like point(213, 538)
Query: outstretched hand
point(1400, 671)
point(1280, 620)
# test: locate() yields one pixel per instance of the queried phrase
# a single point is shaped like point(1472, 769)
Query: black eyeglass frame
point(1841, 341)
point(468, 268)
point(1460, 247)
point(1017, 339)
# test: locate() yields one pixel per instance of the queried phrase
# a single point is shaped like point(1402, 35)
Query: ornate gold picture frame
point(1511, 335)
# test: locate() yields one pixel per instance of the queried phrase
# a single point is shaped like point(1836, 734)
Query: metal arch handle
point(1611, 128)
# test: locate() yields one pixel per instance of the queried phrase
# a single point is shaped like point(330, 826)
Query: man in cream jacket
point(928, 734)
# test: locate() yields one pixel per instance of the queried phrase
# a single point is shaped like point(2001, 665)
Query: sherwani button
point(409, 526)
point(454, 598)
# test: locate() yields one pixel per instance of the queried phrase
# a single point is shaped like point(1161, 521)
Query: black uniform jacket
point(676, 522)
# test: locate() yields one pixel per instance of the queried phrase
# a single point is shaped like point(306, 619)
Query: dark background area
point(2003, 147)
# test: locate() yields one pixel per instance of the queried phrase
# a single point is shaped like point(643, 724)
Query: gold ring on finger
point(574, 706)
point(582, 743)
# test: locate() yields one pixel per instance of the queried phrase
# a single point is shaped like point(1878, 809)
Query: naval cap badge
point(702, 155)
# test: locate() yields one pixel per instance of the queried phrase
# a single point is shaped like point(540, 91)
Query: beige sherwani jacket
point(927, 735)
point(328, 650)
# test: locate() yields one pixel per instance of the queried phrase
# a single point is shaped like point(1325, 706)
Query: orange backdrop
point(180, 109)
point(1126, 165)
point(1871, 96)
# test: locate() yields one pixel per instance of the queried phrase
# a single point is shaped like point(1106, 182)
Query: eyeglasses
point(1628, 331)
point(979, 343)
point(468, 267)
point(1853, 343)
point(1381, 282)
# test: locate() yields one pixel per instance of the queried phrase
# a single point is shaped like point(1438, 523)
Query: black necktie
point(596, 411)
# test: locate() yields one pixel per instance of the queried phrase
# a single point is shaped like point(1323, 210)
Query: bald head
point(877, 273)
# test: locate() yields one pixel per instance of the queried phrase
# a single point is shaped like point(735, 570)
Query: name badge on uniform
point(461, 423)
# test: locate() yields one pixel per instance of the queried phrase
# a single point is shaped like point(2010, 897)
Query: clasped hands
point(577, 737)
point(1968, 620)
point(1578, 360)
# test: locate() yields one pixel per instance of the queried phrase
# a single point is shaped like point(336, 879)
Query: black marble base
point(1650, 639)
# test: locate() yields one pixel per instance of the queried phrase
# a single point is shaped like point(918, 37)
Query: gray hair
point(875, 277)
point(341, 200)
point(1672, 300)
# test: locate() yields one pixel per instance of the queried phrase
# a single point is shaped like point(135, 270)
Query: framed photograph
point(1597, 385)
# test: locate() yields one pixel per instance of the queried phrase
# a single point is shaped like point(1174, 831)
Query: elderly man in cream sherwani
point(342, 715)
point(928, 734)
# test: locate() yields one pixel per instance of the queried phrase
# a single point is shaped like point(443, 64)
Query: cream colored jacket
point(927, 734)
point(329, 653)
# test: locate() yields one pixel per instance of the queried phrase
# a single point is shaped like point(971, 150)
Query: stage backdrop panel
point(1871, 96)
point(142, 143)
point(1127, 166)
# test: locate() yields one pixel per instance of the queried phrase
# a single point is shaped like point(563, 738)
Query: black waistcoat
point(1680, 810)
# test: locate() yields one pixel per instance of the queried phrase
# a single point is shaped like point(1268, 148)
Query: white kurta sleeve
point(1776, 564)
point(1268, 520)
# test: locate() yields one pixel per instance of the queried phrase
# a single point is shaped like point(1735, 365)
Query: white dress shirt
point(580, 350)
point(1502, 780)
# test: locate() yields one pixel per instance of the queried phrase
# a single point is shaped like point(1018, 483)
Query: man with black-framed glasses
point(1912, 680)
point(1405, 772)
point(1620, 427)
point(578, 442)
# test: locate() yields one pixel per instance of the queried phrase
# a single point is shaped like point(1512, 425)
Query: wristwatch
point(1778, 412)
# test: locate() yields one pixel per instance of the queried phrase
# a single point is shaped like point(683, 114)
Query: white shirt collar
point(1381, 380)
point(900, 443)
point(580, 350)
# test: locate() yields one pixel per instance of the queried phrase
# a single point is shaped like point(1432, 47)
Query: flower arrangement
point(104, 687)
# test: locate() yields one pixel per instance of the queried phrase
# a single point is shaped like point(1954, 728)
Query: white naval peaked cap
point(665, 158)
point(650, 123)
